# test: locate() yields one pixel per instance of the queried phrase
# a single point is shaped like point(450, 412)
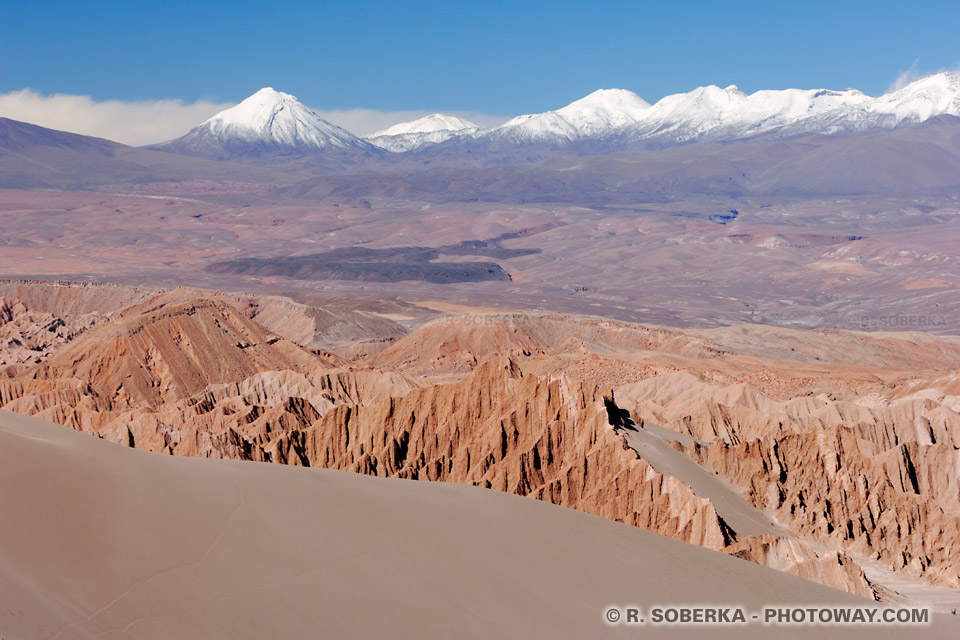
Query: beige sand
point(650, 441)
point(100, 541)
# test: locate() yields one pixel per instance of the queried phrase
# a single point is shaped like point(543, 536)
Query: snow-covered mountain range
point(712, 113)
point(276, 122)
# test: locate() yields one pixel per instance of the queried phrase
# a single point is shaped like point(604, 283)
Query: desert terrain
point(250, 390)
point(852, 232)
point(352, 555)
point(850, 262)
point(826, 454)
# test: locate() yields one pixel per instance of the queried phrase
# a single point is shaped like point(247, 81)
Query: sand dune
point(101, 541)
point(730, 504)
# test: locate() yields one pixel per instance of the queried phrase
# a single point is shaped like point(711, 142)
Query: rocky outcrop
point(545, 438)
point(774, 359)
point(173, 353)
point(457, 344)
point(849, 471)
point(841, 490)
point(331, 321)
point(203, 379)
point(873, 475)
point(30, 337)
point(75, 298)
point(189, 379)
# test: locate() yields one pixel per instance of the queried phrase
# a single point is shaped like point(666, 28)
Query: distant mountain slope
point(595, 115)
point(16, 136)
point(432, 129)
point(268, 125)
point(903, 160)
point(33, 156)
point(615, 120)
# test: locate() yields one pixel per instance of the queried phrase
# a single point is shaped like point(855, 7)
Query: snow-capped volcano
point(269, 121)
point(274, 117)
point(597, 114)
point(432, 129)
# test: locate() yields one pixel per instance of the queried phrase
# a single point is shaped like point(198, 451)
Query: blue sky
point(498, 58)
point(494, 57)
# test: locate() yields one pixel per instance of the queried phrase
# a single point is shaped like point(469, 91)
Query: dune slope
point(102, 541)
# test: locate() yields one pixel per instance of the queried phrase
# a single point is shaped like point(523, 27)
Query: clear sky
point(501, 58)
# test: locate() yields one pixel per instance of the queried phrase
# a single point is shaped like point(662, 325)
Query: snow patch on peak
point(599, 113)
point(428, 124)
point(429, 130)
point(934, 95)
point(611, 100)
point(715, 113)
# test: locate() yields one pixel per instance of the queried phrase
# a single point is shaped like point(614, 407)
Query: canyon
point(828, 454)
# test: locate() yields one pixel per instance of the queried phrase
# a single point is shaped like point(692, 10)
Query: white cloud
point(905, 77)
point(137, 123)
point(151, 121)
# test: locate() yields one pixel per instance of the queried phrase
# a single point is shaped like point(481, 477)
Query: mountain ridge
point(617, 119)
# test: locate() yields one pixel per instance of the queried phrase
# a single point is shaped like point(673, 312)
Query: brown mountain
point(33, 156)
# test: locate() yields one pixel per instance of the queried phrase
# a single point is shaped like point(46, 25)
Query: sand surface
point(101, 541)
point(651, 443)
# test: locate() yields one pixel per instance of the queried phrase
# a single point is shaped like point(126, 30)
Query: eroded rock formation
point(849, 462)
